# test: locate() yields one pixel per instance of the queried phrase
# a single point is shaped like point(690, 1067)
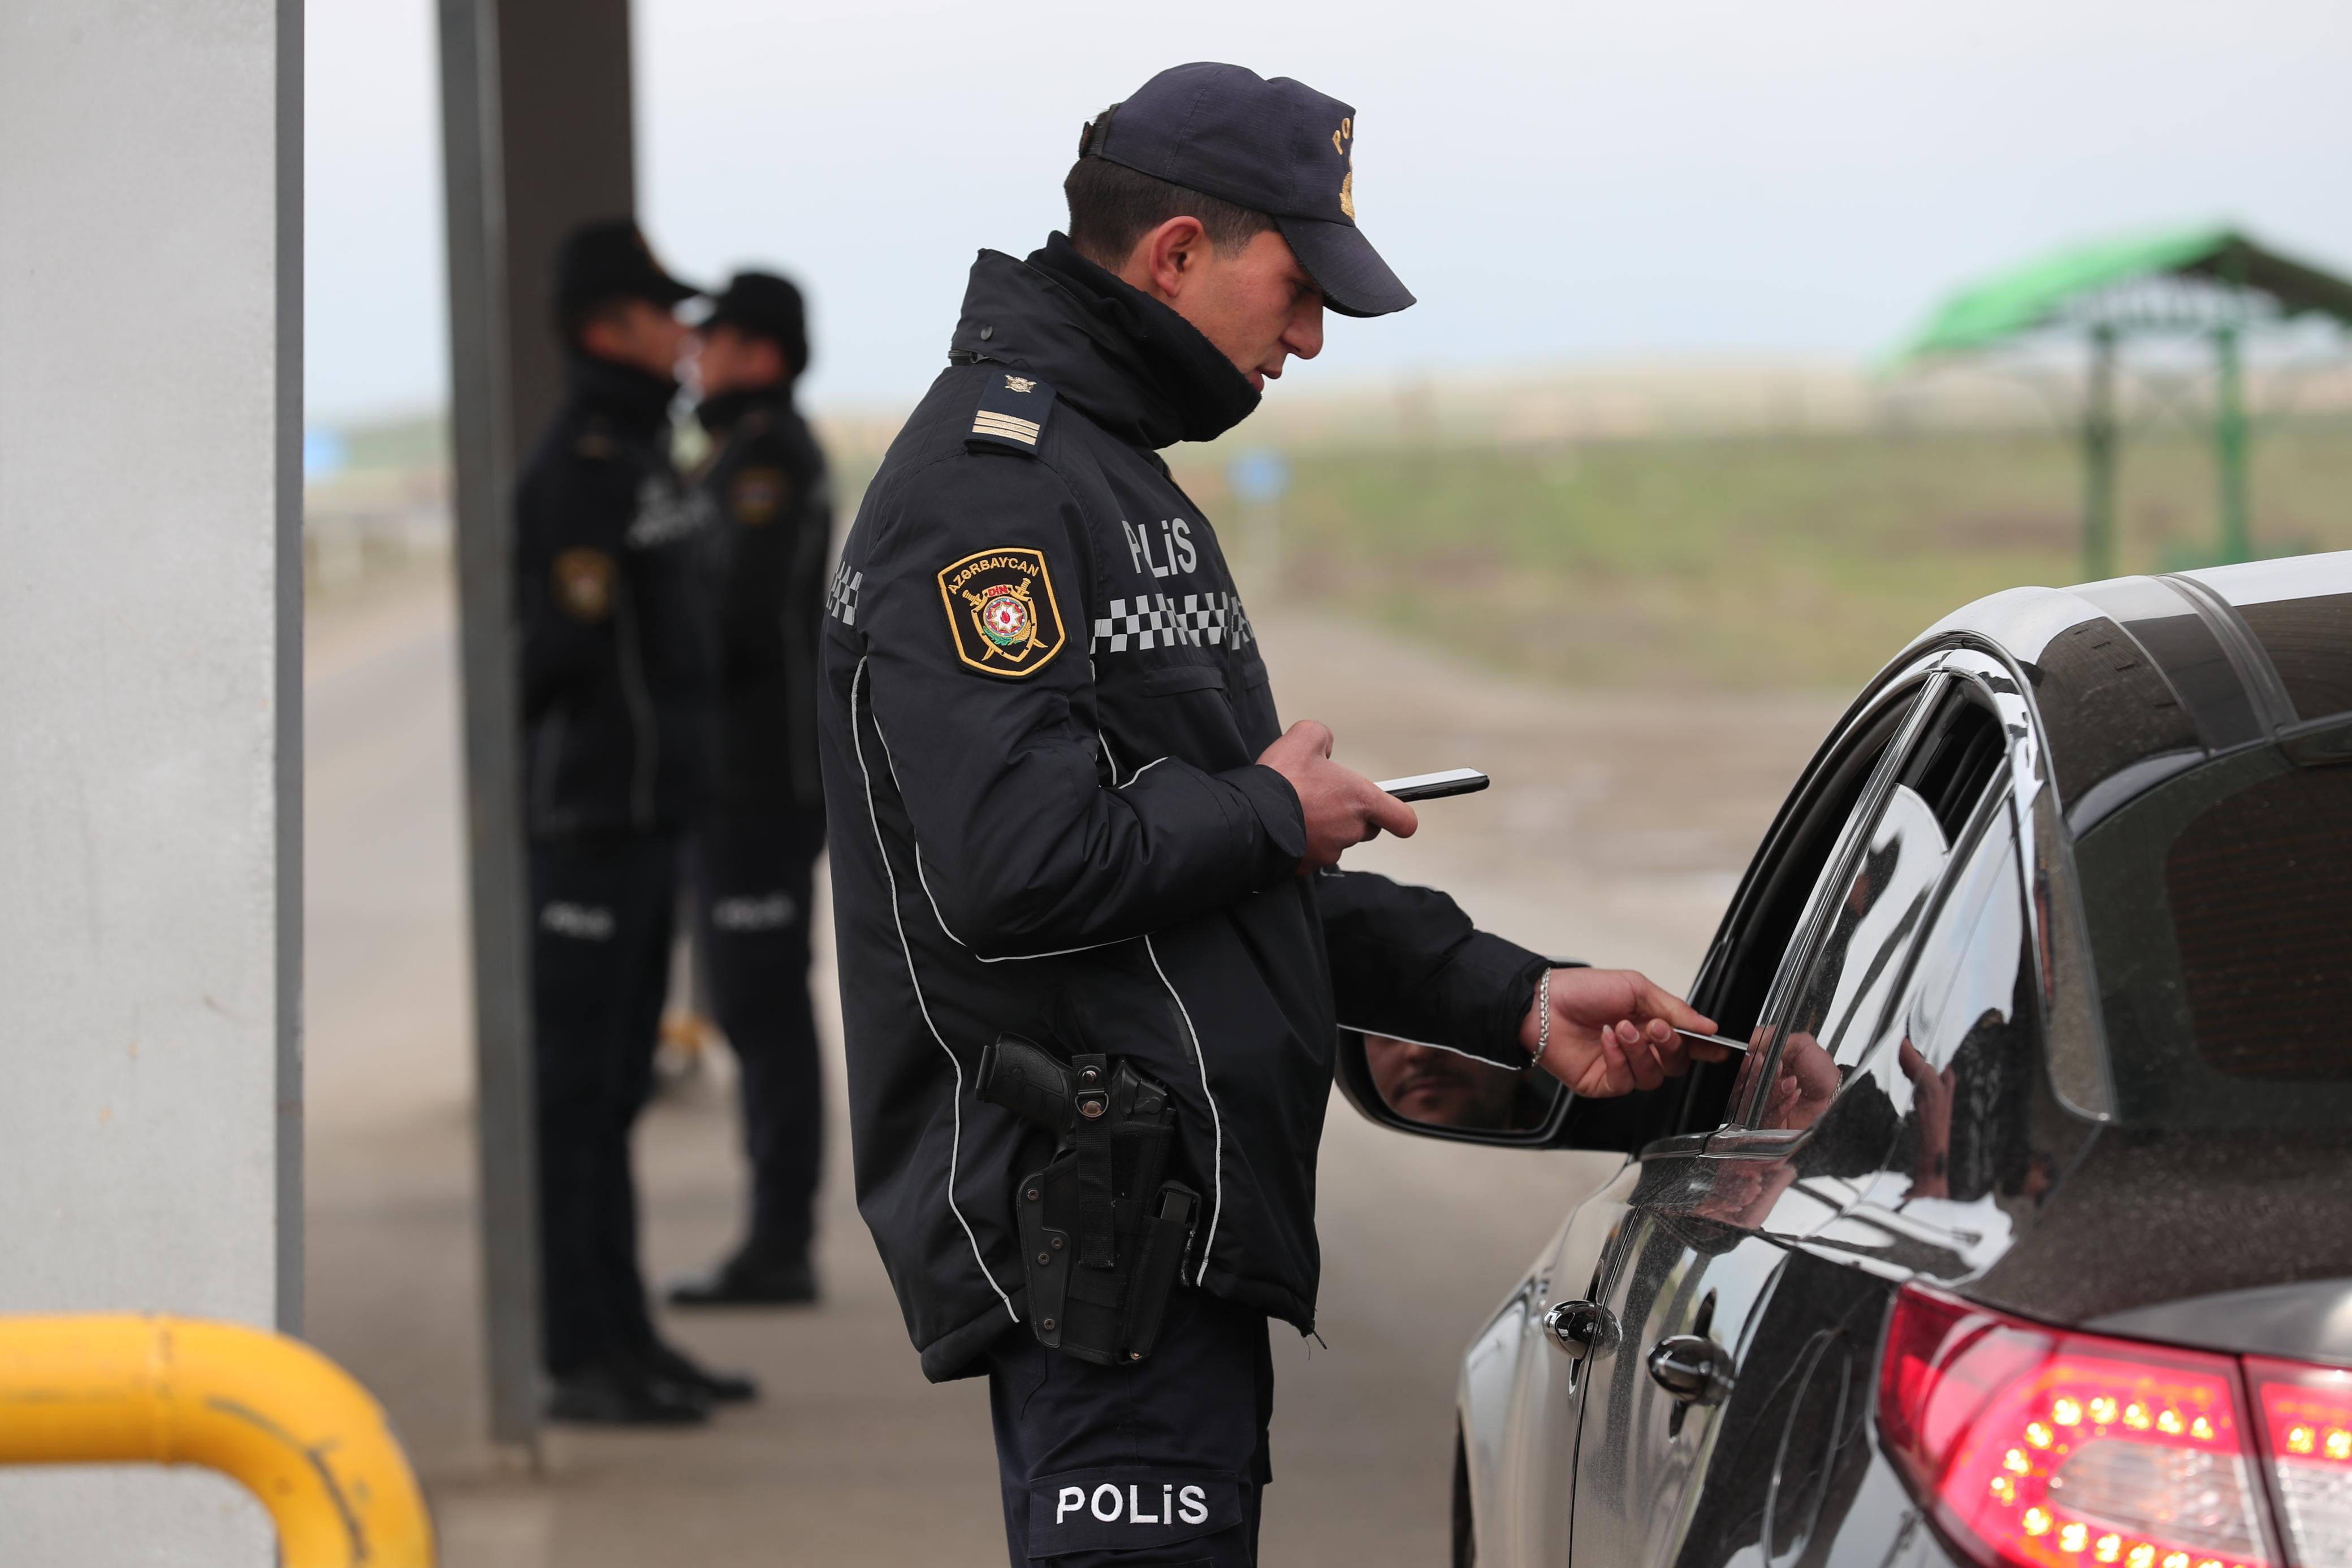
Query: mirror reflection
point(1440, 1088)
point(1831, 1018)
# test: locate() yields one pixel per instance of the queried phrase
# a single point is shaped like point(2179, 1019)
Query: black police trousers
point(603, 910)
point(751, 877)
point(1161, 1461)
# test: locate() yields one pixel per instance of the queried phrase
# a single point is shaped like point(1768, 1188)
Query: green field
point(1740, 561)
point(1755, 563)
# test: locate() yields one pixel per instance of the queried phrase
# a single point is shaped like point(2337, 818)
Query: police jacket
point(771, 523)
point(1042, 706)
point(609, 582)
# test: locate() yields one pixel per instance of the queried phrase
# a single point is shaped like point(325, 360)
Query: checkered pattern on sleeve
point(841, 599)
point(1162, 620)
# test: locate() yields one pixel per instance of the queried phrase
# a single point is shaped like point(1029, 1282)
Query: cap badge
point(1343, 142)
point(1009, 624)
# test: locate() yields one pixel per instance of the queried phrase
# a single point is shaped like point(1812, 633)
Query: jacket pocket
point(1178, 678)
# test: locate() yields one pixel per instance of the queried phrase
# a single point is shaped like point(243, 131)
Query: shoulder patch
point(596, 443)
point(583, 583)
point(1000, 610)
point(1013, 409)
point(756, 494)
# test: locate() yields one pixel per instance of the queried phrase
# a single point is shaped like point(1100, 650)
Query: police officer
point(615, 678)
point(1066, 811)
point(764, 821)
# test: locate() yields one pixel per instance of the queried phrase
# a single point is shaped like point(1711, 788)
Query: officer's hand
point(1342, 806)
point(1613, 1032)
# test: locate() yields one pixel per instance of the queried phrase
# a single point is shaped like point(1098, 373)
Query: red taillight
point(2045, 1448)
point(2306, 1425)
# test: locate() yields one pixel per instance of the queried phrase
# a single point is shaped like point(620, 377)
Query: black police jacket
point(1041, 710)
point(772, 510)
point(609, 586)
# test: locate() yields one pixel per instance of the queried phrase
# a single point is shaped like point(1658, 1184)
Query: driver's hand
point(1808, 1083)
point(1613, 1031)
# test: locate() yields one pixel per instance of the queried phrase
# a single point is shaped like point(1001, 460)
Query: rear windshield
point(2221, 915)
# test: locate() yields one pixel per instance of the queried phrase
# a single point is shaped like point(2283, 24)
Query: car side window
point(1936, 1114)
point(1840, 976)
point(1852, 974)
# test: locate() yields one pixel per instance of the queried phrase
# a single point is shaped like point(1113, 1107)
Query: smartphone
point(1436, 786)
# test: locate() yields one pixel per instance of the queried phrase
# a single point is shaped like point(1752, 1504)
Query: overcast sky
point(1557, 182)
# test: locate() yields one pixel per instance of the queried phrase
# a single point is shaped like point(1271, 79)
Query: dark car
point(2023, 1232)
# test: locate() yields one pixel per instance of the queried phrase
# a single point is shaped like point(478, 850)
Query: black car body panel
point(2058, 926)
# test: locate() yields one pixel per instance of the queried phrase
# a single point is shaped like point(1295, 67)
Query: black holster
point(1103, 1235)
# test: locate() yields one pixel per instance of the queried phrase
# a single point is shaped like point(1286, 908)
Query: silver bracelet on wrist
point(1543, 1018)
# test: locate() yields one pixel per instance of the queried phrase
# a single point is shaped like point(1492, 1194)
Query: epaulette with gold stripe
point(1013, 410)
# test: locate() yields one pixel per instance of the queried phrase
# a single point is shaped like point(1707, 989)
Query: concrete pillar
point(150, 250)
point(569, 152)
point(536, 138)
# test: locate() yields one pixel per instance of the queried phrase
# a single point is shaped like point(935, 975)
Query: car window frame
point(1837, 871)
point(2020, 782)
point(1896, 691)
point(2073, 1033)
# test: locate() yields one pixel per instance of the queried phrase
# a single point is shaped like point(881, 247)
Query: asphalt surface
point(1614, 833)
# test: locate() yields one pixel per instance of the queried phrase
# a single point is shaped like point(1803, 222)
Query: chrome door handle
point(1579, 1328)
point(1692, 1368)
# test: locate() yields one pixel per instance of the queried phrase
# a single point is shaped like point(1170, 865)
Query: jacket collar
point(624, 394)
point(1126, 360)
point(724, 413)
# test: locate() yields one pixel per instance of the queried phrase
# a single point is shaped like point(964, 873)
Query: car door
point(1706, 1243)
point(1530, 1457)
point(1525, 1372)
point(1925, 1114)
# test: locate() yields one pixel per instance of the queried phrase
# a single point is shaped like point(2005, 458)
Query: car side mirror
point(1441, 1093)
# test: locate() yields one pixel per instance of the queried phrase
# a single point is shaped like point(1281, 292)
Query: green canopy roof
point(2032, 295)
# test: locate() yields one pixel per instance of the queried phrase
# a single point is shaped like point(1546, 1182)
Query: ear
point(1165, 261)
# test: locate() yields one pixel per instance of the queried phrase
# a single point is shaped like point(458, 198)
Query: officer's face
point(638, 333)
point(1256, 302)
point(728, 361)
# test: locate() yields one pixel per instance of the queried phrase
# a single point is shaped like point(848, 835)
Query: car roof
point(2135, 678)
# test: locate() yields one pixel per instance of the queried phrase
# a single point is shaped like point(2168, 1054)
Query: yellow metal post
point(297, 1430)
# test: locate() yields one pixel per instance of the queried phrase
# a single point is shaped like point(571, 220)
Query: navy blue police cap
point(763, 305)
point(1274, 145)
point(608, 258)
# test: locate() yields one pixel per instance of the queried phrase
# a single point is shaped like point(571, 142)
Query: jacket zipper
point(641, 709)
point(800, 682)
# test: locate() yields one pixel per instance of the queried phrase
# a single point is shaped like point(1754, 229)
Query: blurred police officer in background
point(1077, 818)
point(615, 677)
point(762, 824)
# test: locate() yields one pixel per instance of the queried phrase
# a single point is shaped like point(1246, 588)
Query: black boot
point(672, 1365)
point(754, 1277)
point(611, 1395)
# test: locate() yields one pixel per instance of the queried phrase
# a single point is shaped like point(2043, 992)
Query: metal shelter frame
point(2209, 282)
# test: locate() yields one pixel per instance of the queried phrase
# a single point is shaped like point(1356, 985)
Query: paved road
point(1613, 833)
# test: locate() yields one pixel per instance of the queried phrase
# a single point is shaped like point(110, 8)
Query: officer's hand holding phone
point(1342, 806)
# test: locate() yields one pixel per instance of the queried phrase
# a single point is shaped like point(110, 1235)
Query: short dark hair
point(1112, 206)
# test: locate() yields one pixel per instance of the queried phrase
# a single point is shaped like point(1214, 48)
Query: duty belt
point(1103, 1236)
